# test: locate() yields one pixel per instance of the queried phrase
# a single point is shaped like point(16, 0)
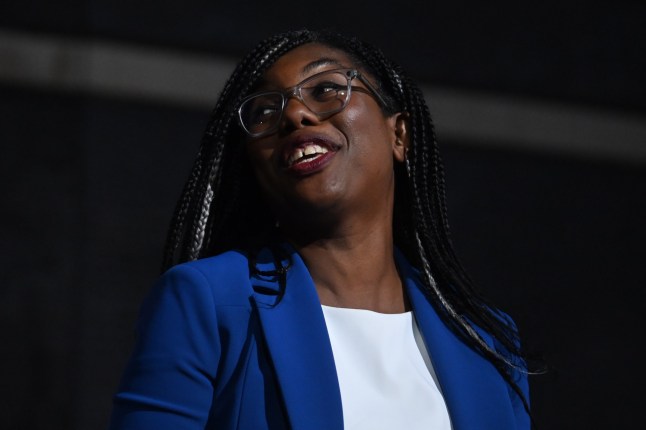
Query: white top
point(385, 374)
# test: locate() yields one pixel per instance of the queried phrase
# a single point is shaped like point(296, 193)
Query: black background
point(89, 184)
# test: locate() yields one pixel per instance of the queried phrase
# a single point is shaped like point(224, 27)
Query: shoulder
point(225, 265)
point(190, 299)
point(223, 279)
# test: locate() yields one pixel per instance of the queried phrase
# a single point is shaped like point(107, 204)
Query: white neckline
point(384, 372)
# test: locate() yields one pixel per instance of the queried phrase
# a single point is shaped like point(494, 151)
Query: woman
point(319, 288)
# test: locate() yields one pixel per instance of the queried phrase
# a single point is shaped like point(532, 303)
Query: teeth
point(307, 150)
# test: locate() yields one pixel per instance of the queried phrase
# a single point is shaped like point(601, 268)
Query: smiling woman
point(346, 186)
point(311, 282)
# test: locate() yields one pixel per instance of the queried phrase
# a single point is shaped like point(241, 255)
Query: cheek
point(260, 158)
point(369, 123)
point(368, 137)
point(260, 168)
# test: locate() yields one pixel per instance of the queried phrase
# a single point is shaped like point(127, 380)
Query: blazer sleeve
point(168, 382)
point(520, 377)
point(522, 417)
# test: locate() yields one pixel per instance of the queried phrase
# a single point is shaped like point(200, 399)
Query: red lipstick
point(308, 153)
point(311, 165)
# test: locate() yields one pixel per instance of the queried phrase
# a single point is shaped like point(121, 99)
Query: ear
point(401, 135)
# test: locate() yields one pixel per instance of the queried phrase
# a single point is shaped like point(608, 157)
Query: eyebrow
point(325, 61)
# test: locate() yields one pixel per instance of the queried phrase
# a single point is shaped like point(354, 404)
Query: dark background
point(553, 233)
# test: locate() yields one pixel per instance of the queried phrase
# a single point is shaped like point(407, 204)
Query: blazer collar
point(474, 392)
point(300, 349)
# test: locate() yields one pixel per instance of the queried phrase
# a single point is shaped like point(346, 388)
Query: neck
point(355, 267)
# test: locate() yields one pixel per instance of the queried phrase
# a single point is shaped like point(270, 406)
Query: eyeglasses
point(324, 94)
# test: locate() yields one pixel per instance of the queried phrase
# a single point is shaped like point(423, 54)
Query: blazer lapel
point(475, 393)
point(299, 346)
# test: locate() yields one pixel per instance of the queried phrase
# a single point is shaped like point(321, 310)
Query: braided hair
point(215, 212)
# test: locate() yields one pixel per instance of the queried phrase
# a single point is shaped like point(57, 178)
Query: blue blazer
point(217, 349)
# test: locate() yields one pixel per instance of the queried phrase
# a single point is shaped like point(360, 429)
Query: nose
point(296, 114)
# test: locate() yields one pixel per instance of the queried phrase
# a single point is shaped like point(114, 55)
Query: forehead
point(304, 61)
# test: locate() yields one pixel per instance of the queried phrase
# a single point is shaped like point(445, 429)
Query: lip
point(312, 165)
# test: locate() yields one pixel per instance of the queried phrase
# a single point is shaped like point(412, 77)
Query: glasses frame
point(295, 91)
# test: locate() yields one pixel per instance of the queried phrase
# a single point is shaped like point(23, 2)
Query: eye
point(261, 114)
point(325, 90)
point(261, 109)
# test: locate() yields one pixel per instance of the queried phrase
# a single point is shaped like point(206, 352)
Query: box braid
point(215, 211)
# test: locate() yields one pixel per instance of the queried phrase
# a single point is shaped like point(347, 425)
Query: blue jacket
point(218, 350)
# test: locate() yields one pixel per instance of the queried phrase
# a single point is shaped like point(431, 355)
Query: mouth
point(308, 154)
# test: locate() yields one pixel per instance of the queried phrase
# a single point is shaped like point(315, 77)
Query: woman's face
point(313, 169)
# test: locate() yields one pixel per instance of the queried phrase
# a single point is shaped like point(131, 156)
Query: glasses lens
point(260, 113)
point(326, 93)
